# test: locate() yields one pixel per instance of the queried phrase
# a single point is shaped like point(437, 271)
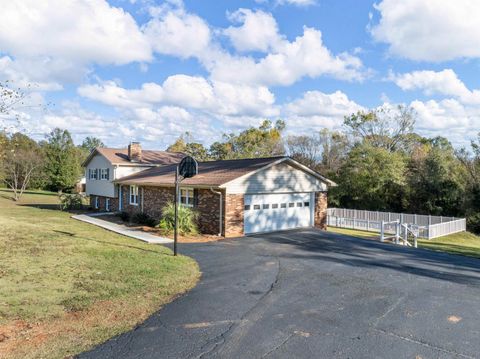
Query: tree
point(384, 127)
point(21, 162)
point(324, 151)
point(264, 141)
point(186, 145)
point(371, 178)
point(436, 180)
point(90, 143)
point(62, 160)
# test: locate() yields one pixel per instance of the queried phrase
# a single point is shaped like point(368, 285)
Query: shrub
point(187, 219)
point(144, 219)
point(124, 216)
point(71, 201)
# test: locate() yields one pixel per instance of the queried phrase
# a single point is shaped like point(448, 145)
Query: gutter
point(221, 210)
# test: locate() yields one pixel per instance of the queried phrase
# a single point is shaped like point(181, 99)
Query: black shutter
point(97, 173)
point(108, 173)
point(195, 197)
point(89, 173)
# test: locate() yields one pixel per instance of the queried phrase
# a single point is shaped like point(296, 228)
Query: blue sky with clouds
point(151, 70)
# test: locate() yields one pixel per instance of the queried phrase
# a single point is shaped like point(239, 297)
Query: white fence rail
point(429, 226)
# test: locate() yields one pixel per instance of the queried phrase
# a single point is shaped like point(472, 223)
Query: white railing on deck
point(429, 226)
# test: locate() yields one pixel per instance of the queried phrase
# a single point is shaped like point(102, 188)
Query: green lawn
point(66, 285)
point(463, 243)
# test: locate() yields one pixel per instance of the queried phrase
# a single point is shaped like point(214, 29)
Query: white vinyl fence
point(428, 226)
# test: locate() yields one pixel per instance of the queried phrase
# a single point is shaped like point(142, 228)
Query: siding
point(99, 187)
point(103, 187)
point(282, 177)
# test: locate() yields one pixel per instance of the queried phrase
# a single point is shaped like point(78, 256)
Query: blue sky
point(150, 70)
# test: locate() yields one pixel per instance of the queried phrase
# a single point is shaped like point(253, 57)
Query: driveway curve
point(314, 294)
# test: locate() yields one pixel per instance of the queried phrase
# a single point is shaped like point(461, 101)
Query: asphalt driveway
point(311, 294)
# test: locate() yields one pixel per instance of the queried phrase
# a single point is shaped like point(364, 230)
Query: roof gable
point(119, 156)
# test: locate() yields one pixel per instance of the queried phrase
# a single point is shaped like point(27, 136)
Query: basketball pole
point(175, 232)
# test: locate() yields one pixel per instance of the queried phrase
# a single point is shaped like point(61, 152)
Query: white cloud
point(297, 2)
point(430, 30)
point(288, 63)
point(191, 92)
point(258, 32)
point(316, 110)
point(175, 32)
point(285, 61)
point(54, 41)
point(444, 82)
point(79, 31)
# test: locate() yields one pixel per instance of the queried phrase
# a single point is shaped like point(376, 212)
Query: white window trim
point(103, 171)
point(92, 173)
point(107, 204)
point(135, 195)
point(190, 200)
point(96, 202)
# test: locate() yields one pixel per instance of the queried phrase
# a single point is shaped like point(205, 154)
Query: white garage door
point(274, 212)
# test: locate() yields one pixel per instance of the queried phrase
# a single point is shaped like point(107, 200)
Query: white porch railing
point(428, 226)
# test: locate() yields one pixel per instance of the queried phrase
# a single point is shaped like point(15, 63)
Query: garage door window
point(291, 204)
point(306, 204)
point(283, 205)
point(275, 205)
point(247, 207)
point(299, 204)
point(256, 206)
point(266, 206)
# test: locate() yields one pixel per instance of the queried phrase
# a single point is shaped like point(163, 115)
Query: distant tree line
point(53, 164)
point(377, 160)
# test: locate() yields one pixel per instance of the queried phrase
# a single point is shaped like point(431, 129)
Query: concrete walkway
point(121, 229)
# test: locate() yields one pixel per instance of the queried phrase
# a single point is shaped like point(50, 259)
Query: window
point(306, 204)
point(92, 173)
point(186, 197)
point(291, 204)
point(96, 202)
point(266, 206)
point(299, 204)
point(107, 204)
point(283, 205)
point(256, 206)
point(104, 172)
point(134, 195)
point(275, 205)
point(247, 207)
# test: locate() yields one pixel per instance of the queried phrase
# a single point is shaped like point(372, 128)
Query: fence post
point(382, 239)
point(401, 218)
point(397, 231)
point(368, 224)
point(415, 218)
point(336, 221)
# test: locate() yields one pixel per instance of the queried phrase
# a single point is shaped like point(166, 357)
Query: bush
point(124, 216)
point(187, 219)
point(71, 201)
point(473, 223)
point(144, 219)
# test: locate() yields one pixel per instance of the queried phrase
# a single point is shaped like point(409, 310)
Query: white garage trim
point(278, 211)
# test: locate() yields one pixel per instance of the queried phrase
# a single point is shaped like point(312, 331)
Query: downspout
point(120, 198)
point(221, 210)
point(142, 198)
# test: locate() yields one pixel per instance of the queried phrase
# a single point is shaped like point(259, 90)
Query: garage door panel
point(273, 212)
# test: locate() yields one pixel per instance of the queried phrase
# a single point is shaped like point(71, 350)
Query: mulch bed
point(198, 238)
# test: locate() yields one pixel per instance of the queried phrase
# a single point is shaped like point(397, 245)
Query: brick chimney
point(134, 152)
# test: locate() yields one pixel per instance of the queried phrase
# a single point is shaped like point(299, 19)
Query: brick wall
point(208, 206)
point(320, 213)
point(234, 204)
point(102, 203)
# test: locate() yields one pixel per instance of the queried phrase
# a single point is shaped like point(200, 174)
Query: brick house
point(233, 197)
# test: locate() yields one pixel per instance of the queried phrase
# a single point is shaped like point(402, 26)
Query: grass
point(66, 285)
point(463, 243)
